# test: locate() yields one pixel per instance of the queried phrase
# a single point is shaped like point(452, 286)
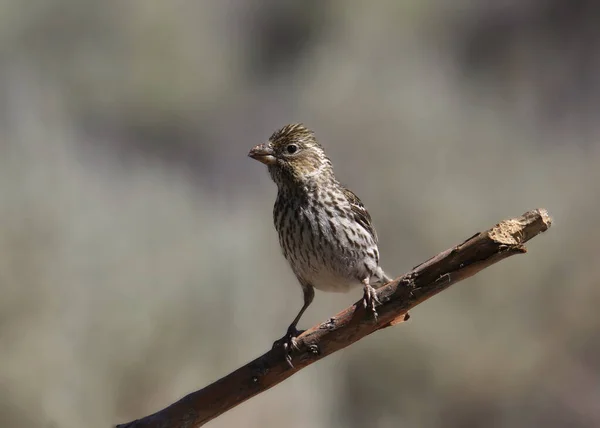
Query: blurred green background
point(138, 261)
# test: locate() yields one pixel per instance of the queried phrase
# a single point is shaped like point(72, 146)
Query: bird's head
point(293, 155)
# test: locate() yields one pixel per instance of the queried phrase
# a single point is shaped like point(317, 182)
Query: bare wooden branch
point(404, 293)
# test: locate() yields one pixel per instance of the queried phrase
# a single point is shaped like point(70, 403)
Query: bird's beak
point(263, 153)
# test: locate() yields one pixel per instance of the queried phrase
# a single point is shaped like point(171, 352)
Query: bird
point(325, 232)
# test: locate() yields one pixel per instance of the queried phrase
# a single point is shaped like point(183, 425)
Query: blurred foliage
point(137, 256)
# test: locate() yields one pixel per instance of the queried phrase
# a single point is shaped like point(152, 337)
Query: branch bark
point(352, 324)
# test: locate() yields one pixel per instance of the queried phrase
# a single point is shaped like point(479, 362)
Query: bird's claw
point(370, 300)
point(289, 344)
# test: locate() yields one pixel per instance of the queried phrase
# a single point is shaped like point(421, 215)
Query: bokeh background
point(138, 261)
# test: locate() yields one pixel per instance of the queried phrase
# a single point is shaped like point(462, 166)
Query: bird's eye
point(292, 148)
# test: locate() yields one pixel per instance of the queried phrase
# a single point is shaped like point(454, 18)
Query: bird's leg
point(370, 300)
point(289, 342)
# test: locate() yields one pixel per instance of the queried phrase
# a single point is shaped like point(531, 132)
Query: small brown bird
point(324, 230)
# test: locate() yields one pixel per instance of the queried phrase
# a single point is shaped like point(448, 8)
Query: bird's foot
point(370, 300)
point(289, 343)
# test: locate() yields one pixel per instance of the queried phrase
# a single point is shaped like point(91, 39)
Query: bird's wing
point(361, 215)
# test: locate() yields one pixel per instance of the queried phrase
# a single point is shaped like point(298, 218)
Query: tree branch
point(352, 324)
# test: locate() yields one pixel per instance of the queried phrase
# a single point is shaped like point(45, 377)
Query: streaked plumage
point(325, 232)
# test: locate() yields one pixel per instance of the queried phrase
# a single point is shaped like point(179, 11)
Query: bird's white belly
point(333, 282)
point(332, 265)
